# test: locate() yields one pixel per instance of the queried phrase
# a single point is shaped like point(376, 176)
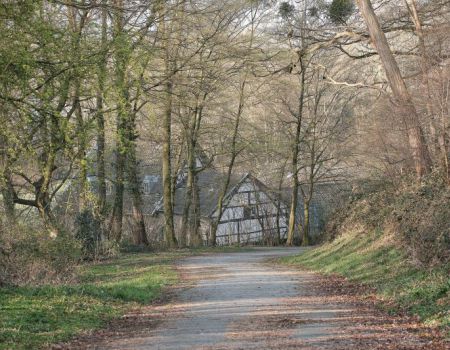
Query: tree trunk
point(167, 170)
point(75, 28)
point(294, 158)
point(117, 210)
point(7, 192)
point(306, 223)
point(43, 205)
point(123, 109)
point(138, 223)
point(82, 144)
point(168, 190)
point(100, 119)
point(280, 187)
point(293, 205)
point(443, 137)
point(188, 193)
point(6, 186)
point(192, 133)
point(194, 224)
point(403, 100)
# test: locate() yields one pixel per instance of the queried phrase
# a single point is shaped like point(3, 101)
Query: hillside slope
point(395, 238)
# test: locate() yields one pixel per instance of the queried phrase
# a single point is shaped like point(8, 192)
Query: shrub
point(30, 256)
point(416, 214)
point(89, 233)
point(340, 10)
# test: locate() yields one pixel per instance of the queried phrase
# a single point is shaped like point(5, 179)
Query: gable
point(248, 193)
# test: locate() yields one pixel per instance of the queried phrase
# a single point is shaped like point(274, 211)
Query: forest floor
point(244, 300)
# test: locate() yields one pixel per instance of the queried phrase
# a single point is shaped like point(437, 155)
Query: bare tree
point(403, 100)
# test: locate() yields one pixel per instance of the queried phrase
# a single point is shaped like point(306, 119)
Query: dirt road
point(243, 301)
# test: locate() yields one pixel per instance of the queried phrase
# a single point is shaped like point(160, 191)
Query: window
point(152, 178)
point(146, 187)
point(148, 183)
point(92, 183)
point(109, 187)
point(250, 212)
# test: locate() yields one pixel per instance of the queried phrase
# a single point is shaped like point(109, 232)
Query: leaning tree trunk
point(443, 141)
point(403, 100)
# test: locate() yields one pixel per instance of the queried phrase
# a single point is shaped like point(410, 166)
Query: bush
point(89, 233)
point(30, 256)
point(417, 215)
point(340, 10)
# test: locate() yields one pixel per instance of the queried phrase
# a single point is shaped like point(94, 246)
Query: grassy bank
point(372, 258)
point(32, 317)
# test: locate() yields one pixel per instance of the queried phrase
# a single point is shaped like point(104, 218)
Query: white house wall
point(234, 227)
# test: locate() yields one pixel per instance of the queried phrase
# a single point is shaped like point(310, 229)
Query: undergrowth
point(395, 237)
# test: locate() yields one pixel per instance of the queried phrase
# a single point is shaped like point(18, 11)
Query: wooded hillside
point(300, 94)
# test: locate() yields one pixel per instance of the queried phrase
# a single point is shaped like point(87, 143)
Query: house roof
point(326, 198)
point(210, 184)
point(274, 196)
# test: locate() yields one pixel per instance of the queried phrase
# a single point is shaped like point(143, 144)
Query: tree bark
point(294, 158)
point(138, 223)
point(76, 27)
point(100, 119)
point(169, 67)
point(403, 100)
point(123, 109)
point(306, 223)
point(169, 229)
point(194, 224)
point(190, 167)
point(7, 192)
point(6, 186)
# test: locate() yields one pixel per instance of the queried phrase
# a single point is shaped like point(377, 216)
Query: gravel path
point(243, 301)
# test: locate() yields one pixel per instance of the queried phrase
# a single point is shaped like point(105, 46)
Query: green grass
point(33, 317)
point(372, 260)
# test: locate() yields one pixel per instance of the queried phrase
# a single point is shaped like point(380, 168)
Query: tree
point(100, 117)
point(403, 101)
point(41, 99)
point(255, 13)
point(325, 131)
point(170, 51)
point(126, 164)
point(122, 56)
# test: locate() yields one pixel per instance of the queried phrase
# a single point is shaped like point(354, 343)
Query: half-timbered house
point(251, 213)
